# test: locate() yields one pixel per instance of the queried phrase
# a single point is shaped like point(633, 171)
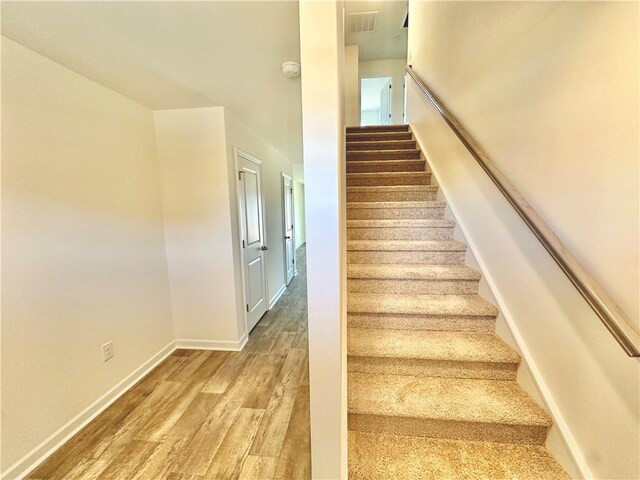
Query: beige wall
point(395, 69)
point(321, 52)
point(560, 121)
point(83, 257)
point(198, 225)
point(196, 148)
point(351, 86)
point(118, 224)
point(298, 210)
point(550, 90)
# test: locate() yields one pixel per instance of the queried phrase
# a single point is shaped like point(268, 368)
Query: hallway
point(209, 414)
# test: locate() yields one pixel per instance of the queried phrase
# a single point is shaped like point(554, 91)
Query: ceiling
point(168, 55)
point(389, 39)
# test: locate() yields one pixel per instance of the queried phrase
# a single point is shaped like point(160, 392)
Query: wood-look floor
point(208, 415)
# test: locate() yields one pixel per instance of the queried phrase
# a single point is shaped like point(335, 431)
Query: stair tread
point(380, 174)
point(379, 128)
point(406, 245)
point(412, 272)
point(383, 142)
point(354, 136)
point(415, 304)
point(375, 151)
point(438, 398)
point(401, 161)
point(402, 223)
point(386, 457)
point(429, 345)
point(396, 204)
point(393, 188)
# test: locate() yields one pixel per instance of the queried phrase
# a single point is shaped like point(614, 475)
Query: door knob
point(263, 248)
point(287, 237)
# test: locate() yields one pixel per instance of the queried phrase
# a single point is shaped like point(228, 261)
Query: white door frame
point(284, 227)
point(240, 153)
point(382, 75)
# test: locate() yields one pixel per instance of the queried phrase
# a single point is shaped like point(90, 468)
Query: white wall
point(394, 68)
point(239, 135)
point(119, 223)
point(321, 51)
point(298, 210)
point(83, 247)
point(198, 225)
point(351, 86)
point(196, 147)
point(370, 117)
point(564, 129)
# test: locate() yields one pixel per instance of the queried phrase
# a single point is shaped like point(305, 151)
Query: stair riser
point(421, 322)
point(389, 180)
point(394, 213)
point(400, 233)
point(432, 258)
point(433, 368)
point(399, 145)
point(383, 155)
point(378, 128)
point(374, 137)
point(426, 287)
point(448, 429)
point(416, 196)
point(386, 166)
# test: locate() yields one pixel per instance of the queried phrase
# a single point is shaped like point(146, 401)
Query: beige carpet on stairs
point(432, 391)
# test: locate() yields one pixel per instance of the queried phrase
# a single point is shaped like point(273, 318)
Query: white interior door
point(385, 103)
point(289, 249)
point(252, 232)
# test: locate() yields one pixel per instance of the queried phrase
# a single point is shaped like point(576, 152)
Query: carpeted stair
point(432, 391)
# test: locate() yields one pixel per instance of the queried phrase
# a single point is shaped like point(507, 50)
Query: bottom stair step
point(396, 457)
point(447, 408)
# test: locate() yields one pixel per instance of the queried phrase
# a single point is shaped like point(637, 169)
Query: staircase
point(432, 391)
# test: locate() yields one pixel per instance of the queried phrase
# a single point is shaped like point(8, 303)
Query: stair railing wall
point(613, 318)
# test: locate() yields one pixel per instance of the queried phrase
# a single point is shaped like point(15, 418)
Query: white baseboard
point(224, 345)
point(550, 404)
point(39, 454)
point(277, 296)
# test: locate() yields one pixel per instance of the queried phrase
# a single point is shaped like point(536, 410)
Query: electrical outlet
point(107, 351)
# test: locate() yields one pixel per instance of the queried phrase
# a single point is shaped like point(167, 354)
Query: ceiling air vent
point(363, 22)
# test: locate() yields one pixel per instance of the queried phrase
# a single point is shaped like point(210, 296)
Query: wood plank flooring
point(208, 415)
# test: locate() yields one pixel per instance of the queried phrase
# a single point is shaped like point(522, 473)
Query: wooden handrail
point(613, 318)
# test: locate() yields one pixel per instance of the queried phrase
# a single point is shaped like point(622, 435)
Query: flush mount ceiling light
point(291, 69)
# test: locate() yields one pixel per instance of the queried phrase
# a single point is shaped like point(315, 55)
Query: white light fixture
point(291, 69)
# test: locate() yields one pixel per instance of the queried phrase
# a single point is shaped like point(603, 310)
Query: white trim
point(46, 448)
point(222, 345)
point(241, 153)
point(277, 296)
point(565, 433)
